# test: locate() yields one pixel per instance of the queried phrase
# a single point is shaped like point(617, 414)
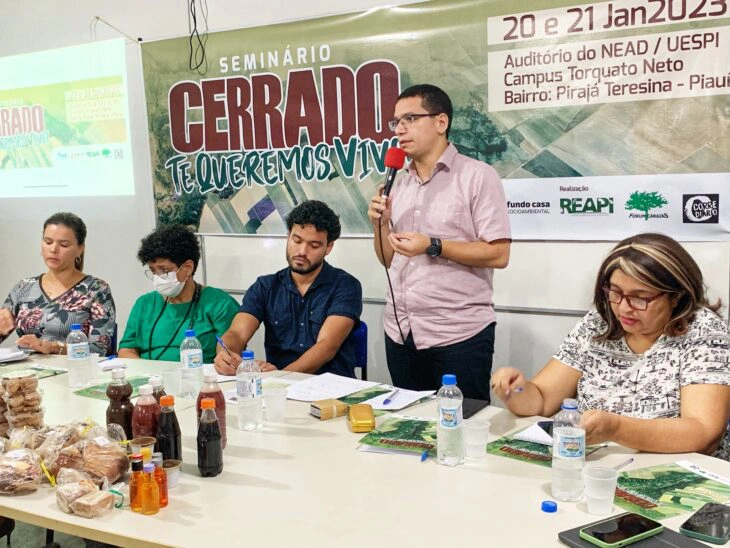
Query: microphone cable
point(387, 275)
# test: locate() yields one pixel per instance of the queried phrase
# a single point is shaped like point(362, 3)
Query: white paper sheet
point(402, 399)
point(267, 382)
point(326, 386)
point(12, 354)
point(113, 363)
point(535, 434)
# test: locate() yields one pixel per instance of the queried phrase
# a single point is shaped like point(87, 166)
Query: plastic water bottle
point(450, 434)
point(191, 374)
point(77, 357)
point(569, 453)
point(250, 397)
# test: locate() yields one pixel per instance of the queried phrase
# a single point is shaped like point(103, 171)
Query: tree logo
point(646, 201)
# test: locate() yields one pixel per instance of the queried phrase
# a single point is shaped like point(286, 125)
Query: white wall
point(556, 275)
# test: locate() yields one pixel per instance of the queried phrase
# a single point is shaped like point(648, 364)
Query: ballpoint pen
point(624, 463)
point(424, 455)
point(390, 397)
point(107, 358)
point(223, 345)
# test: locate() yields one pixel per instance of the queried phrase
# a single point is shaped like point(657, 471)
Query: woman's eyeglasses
point(637, 303)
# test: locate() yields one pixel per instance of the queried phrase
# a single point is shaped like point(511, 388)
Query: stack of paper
point(326, 386)
point(11, 355)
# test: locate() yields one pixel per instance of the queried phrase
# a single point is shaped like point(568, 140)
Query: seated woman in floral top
point(650, 365)
point(42, 309)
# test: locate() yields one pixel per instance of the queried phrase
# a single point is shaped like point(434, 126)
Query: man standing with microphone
point(443, 228)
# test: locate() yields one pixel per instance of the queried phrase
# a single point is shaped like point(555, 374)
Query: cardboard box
point(327, 409)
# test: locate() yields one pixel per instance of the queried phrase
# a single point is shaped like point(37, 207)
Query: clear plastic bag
point(20, 472)
point(67, 493)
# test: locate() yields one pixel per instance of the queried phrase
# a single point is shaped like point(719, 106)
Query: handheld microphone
point(394, 160)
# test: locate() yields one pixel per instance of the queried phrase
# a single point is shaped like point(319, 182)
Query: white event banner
point(668, 65)
point(690, 207)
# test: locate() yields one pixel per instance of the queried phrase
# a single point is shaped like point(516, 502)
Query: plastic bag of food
point(69, 475)
point(104, 459)
point(19, 382)
point(20, 472)
point(93, 504)
point(67, 493)
point(22, 438)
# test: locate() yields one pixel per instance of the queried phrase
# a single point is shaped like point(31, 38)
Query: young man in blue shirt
point(308, 309)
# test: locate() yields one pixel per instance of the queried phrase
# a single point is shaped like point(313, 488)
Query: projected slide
point(64, 128)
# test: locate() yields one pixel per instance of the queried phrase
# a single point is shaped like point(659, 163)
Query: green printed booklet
point(402, 434)
point(669, 490)
point(40, 370)
point(98, 391)
point(525, 451)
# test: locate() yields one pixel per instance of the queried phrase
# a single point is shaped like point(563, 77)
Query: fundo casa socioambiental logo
point(645, 202)
point(700, 208)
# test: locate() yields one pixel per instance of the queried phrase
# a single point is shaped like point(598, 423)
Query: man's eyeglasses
point(163, 272)
point(408, 119)
point(637, 303)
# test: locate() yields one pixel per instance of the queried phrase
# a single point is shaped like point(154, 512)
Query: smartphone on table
point(620, 530)
point(710, 523)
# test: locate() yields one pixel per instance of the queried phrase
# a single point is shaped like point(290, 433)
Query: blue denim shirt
point(293, 321)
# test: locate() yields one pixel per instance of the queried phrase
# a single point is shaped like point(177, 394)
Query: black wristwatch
point(434, 250)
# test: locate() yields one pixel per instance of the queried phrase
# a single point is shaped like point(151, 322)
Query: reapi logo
point(701, 208)
point(586, 206)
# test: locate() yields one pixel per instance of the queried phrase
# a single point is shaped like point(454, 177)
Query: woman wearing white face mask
point(159, 319)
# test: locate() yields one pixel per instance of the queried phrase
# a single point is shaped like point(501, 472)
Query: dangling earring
point(77, 262)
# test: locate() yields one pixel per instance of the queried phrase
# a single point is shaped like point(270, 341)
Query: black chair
point(361, 349)
point(7, 526)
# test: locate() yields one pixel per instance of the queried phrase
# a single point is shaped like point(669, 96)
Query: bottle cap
point(549, 506)
point(207, 403)
point(449, 380)
point(155, 381)
point(247, 354)
point(75, 326)
point(167, 400)
point(157, 457)
point(149, 468)
point(136, 456)
point(569, 403)
point(118, 373)
point(190, 332)
point(137, 465)
point(145, 390)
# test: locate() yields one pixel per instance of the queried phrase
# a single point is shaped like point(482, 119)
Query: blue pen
point(424, 455)
point(108, 358)
point(223, 345)
point(390, 397)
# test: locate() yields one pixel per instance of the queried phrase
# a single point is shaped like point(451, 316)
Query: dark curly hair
point(78, 227)
point(317, 214)
point(176, 243)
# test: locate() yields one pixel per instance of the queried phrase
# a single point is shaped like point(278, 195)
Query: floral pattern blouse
point(88, 303)
point(647, 385)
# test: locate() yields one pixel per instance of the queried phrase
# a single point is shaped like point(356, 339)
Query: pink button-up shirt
point(440, 301)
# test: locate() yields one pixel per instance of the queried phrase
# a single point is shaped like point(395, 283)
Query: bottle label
point(77, 351)
point(449, 418)
point(192, 358)
point(571, 447)
point(249, 388)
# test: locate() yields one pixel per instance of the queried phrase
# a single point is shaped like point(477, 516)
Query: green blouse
point(211, 316)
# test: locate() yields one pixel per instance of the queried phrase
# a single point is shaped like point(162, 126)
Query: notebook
point(535, 434)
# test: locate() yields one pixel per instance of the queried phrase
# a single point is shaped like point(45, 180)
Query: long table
point(303, 482)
